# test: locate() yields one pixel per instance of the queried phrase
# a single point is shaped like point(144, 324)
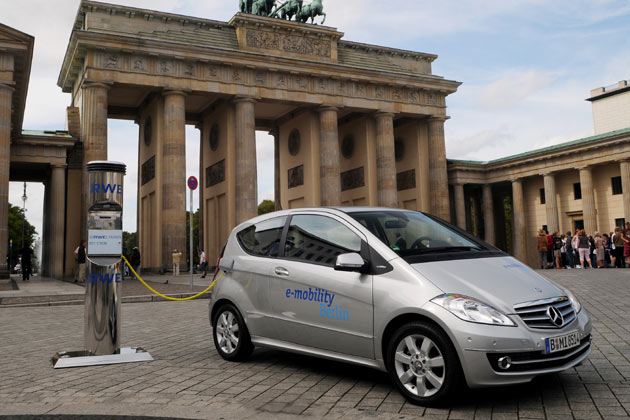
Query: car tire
point(423, 363)
point(231, 337)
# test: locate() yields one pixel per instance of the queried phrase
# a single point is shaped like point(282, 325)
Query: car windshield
point(412, 233)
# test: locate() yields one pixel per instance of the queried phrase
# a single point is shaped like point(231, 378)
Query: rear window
point(263, 239)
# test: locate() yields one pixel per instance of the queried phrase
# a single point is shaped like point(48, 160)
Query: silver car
point(395, 290)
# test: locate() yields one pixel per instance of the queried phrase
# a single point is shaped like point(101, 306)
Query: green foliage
point(16, 217)
point(130, 240)
point(195, 239)
point(267, 206)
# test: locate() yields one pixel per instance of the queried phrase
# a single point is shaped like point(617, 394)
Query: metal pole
point(191, 239)
point(23, 213)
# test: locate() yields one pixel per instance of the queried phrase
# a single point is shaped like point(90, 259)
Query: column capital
point(516, 179)
point(169, 92)
point(5, 86)
point(327, 107)
point(58, 165)
point(384, 114)
point(93, 85)
point(243, 99)
point(584, 168)
point(438, 118)
point(622, 160)
point(548, 173)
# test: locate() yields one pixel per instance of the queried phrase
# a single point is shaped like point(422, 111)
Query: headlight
point(472, 310)
point(577, 306)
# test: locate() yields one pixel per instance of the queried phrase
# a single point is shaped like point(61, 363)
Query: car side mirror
point(350, 262)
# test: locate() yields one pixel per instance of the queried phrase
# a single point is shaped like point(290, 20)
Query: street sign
point(193, 183)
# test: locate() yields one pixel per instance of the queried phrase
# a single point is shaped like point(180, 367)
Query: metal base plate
point(81, 358)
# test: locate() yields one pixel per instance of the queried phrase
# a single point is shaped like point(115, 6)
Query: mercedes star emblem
point(555, 316)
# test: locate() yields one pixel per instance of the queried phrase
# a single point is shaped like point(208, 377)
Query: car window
point(409, 233)
point(319, 239)
point(263, 238)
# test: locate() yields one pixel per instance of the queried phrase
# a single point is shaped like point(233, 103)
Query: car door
point(312, 303)
point(253, 265)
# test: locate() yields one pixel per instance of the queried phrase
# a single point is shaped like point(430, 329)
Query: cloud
point(513, 87)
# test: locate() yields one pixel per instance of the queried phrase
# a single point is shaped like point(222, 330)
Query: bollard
point(102, 310)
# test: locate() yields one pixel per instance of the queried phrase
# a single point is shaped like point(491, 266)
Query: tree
point(130, 240)
point(267, 206)
point(16, 217)
point(195, 237)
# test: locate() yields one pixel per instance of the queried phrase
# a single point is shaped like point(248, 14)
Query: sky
point(527, 67)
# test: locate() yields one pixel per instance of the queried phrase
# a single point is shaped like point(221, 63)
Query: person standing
point(79, 257)
point(549, 250)
point(177, 257)
point(569, 248)
point(135, 260)
point(27, 267)
point(557, 249)
point(626, 246)
point(542, 248)
point(583, 248)
point(619, 242)
point(203, 263)
point(599, 250)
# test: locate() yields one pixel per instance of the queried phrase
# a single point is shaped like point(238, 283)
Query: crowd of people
point(580, 250)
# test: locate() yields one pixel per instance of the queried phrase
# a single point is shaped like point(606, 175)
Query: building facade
point(583, 184)
point(353, 123)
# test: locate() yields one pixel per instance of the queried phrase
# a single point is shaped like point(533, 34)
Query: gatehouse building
point(353, 124)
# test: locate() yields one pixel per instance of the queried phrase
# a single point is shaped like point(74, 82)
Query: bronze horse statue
point(262, 7)
point(288, 9)
point(311, 11)
point(246, 6)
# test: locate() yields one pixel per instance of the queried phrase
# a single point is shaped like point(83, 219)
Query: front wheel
point(231, 337)
point(423, 363)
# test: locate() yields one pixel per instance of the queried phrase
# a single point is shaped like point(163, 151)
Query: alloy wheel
point(419, 365)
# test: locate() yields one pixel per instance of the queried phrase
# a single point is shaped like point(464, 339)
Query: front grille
point(536, 314)
point(535, 360)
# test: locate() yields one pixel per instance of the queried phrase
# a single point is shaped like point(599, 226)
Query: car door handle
point(281, 271)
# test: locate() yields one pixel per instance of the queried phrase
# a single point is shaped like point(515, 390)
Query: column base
point(4, 273)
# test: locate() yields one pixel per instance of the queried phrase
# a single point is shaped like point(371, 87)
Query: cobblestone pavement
point(189, 380)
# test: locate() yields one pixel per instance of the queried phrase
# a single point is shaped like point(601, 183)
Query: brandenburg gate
point(354, 124)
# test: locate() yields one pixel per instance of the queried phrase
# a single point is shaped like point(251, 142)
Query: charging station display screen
point(104, 242)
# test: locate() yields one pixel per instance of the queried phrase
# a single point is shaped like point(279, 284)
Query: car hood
point(500, 282)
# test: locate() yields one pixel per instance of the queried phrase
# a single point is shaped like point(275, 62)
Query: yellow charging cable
point(168, 297)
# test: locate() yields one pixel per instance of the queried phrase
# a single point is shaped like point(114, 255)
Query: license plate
point(563, 342)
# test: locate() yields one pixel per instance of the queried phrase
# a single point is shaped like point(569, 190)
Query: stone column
point(625, 185)
point(385, 160)
point(174, 176)
point(330, 178)
point(518, 220)
point(488, 215)
point(93, 135)
point(438, 176)
point(551, 203)
point(202, 186)
point(45, 263)
point(276, 169)
point(57, 220)
point(588, 200)
point(460, 206)
point(6, 97)
point(245, 164)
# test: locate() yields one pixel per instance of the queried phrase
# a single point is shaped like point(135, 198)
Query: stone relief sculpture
point(286, 10)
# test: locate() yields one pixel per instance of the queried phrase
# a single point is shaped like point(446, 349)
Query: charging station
point(104, 273)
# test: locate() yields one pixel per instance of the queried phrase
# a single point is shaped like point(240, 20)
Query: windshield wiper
point(448, 249)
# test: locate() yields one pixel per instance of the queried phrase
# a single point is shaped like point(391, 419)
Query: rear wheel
point(423, 363)
point(231, 337)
